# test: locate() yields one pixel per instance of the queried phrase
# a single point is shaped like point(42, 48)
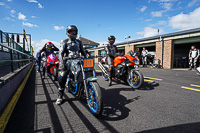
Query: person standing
point(144, 56)
point(193, 57)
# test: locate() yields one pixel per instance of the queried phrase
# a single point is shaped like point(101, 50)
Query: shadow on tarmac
point(183, 128)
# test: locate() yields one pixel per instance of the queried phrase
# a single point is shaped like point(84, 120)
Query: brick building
point(172, 49)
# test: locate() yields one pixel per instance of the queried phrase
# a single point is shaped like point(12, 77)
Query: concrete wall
point(10, 84)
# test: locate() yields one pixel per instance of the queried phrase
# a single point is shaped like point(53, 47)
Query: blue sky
point(46, 20)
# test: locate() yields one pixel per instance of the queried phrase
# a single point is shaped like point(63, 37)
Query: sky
point(46, 20)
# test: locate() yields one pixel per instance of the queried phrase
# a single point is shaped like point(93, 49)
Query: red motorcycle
point(125, 69)
point(51, 63)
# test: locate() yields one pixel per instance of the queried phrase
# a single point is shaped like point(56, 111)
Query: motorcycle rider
point(70, 47)
point(48, 49)
point(111, 51)
point(193, 56)
point(144, 56)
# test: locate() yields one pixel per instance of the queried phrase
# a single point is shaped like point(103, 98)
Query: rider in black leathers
point(111, 51)
point(70, 47)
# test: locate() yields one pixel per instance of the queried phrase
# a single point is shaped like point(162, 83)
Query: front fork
point(132, 73)
point(84, 83)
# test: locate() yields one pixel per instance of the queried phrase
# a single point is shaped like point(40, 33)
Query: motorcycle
point(53, 62)
point(82, 82)
point(125, 69)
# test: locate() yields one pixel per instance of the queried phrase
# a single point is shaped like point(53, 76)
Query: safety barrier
point(12, 54)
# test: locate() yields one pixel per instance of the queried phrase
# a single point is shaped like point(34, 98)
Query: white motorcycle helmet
point(198, 71)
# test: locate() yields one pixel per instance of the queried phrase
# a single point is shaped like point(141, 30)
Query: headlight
point(56, 62)
point(136, 61)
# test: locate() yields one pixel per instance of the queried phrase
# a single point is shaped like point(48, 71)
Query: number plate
point(88, 63)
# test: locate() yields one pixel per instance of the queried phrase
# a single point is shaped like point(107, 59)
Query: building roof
point(158, 36)
point(87, 41)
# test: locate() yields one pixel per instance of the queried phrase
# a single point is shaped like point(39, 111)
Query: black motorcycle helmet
point(72, 28)
point(111, 39)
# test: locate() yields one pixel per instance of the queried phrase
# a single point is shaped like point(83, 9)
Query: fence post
point(1, 39)
point(11, 58)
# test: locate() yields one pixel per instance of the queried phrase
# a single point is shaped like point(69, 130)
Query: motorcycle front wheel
point(94, 98)
point(137, 80)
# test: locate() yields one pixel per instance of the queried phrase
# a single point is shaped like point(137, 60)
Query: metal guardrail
point(11, 48)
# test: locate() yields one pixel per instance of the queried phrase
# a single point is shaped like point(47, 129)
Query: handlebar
point(72, 58)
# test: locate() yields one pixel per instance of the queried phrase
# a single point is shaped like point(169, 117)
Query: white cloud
point(21, 16)
point(149, 31)
point(148, 20)
point(33, 17)
point(29, 24)
point(193, 2)
point(186, 21)
point(162, 23)
point(9, 0)
point(40, 6)
point(166, 6)
point(37, 45)
point(34, 1)
point(12, 12)
point(143, 8)
point(8, 19)
point(163, 0)
point(157, 14)
point(2, 4)
point(59, 28)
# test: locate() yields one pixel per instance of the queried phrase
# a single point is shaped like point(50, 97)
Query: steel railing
point(10, 49)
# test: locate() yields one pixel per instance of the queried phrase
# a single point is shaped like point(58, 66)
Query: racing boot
point(190, 68)
point(60, 96)
point(110, 76)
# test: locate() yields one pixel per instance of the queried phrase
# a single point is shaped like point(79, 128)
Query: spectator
point(193, 57)
point(144, 56)
point(137, 52)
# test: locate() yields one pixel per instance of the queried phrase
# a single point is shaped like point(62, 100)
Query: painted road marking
point(188, 88)
point(152, 78)
point(4, 118)
point(195, 85)
point(98, 70)
point(149, 80)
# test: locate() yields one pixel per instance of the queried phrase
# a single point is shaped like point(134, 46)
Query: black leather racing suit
point(111, 51)
point(47, 52)
point(193, 54)
point(67, 49)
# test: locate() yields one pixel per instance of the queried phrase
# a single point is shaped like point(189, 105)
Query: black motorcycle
point(82, 82)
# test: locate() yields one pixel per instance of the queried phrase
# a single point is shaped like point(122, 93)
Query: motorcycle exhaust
point(103, 69)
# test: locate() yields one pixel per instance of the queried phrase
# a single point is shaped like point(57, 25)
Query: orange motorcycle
point(125, 69)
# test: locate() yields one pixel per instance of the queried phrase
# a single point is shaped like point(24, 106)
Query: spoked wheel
point(94, 98)
point(137, 80)
point(105, 77)
point(72, 88)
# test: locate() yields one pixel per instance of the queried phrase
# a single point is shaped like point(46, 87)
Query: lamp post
point(127, 37)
